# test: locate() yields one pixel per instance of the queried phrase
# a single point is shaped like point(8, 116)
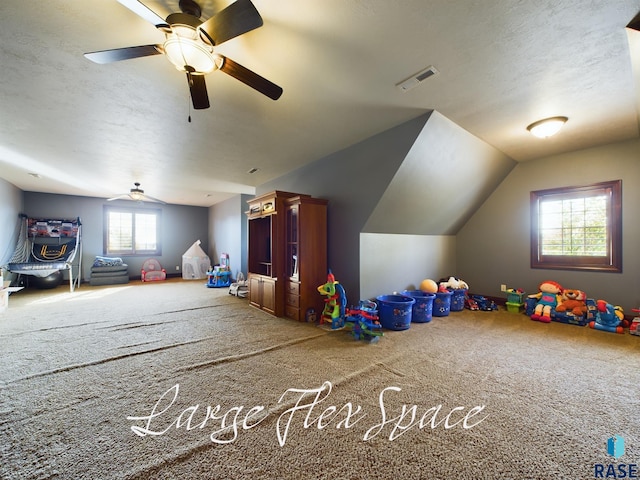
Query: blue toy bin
point(422, 309)
point(395, 311)
point(442, 304)
point(457, 299)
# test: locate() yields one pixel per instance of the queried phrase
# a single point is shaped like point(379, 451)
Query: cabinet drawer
point(293, 300)
point(291, 312)
point(293, 288)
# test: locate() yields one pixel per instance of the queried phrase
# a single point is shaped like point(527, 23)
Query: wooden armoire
point(287, 253)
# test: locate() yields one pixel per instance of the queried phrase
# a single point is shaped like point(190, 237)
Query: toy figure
point(608, 318)
point(573, 301)
point(335, 303)
point(548, 298)
point(364, 322)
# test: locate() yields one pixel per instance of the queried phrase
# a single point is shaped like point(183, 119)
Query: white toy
point(455, 284)
point(239, 288)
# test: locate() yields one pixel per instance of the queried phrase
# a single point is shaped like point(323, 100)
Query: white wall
point(392, 263)
point(11, 204)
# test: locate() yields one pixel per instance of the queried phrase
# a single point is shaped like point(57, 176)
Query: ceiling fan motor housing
point(184, 46)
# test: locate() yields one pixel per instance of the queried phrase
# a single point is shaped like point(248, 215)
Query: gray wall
point(353, 180)
point(181, 227)
point(228, 233)
point(400, 195)
point(493, 248)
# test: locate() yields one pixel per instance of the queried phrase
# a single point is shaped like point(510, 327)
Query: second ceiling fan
point(190, 45)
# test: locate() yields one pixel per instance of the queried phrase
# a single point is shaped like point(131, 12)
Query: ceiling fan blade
point(238, 18)
point(145, 12)
point(250, 78)
point(198, 89)
point(153, 199)
point(117, 54)
point(635, 23)
point(119, 197)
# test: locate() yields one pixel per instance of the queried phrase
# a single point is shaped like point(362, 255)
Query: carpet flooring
point(175, 380)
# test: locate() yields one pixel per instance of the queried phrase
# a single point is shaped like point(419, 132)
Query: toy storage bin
point(442, 304)
point(395, 311)
point(516, 297)
point(514, 307)
point(423, 308)
point(458, 296)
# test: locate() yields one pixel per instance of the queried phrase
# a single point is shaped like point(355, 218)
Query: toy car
point(484, 303)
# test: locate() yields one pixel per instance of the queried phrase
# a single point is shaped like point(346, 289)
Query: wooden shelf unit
point(287, 253)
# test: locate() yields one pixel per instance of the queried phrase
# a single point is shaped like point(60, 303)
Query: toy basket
point(515, 297)
point(423, 308)
point(442, 304)
point(458, 296)
point(514, 307)
point(395, 311)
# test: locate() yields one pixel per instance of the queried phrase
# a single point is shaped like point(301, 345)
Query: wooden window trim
point(610, 263)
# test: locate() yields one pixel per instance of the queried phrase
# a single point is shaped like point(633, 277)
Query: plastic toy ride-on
point(364, 322)
point(335, 303)
point(609, 318)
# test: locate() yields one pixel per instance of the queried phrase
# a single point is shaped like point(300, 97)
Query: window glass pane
point(146, 231)
point(564, 224)
point(120, 231)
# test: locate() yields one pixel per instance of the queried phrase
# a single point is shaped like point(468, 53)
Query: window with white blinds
point(131, 231)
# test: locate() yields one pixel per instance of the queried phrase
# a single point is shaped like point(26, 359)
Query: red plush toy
point(573, 301)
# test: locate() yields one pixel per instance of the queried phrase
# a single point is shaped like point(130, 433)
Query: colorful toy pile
point(553, 302)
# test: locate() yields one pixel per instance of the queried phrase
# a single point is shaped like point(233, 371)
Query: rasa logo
point(615, 448)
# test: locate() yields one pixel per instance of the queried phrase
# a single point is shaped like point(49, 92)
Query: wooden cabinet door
point(255, 291)
point(269, 296)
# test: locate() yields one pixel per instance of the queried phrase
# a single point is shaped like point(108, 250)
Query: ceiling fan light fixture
point(183, 51)
point(547, 127)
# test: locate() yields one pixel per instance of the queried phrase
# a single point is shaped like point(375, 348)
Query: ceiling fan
point(137, 194)
point(190, 45)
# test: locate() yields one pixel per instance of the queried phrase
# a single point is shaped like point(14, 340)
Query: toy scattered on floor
point(609, 318)
point(239, 288)
point(515, 300)
point(515, 295)
point(364, 321)
point(429, 286)
point(483, 303)
point(548, 298)
point(471, 304)
point(573, 301)
point(335, 303)
point(220, 275)
point(634, 328)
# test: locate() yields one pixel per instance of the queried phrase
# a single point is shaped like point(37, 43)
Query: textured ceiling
point(89, 129)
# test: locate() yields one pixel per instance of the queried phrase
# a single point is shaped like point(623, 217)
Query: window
point(577, 228)
point(132, 231)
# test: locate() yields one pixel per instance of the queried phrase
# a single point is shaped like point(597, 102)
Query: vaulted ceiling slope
point(74, 127)
point(447, 174)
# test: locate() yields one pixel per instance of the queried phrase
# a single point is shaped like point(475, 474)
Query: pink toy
point(548, 298)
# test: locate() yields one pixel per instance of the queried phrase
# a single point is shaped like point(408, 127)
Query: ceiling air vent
point(416, 79)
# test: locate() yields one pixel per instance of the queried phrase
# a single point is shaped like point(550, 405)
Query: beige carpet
point(538, 401)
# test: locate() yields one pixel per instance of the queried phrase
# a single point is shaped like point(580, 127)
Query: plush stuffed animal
point(548, 298)
point(453, 283)
point(608, 318)
point(573, 301)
